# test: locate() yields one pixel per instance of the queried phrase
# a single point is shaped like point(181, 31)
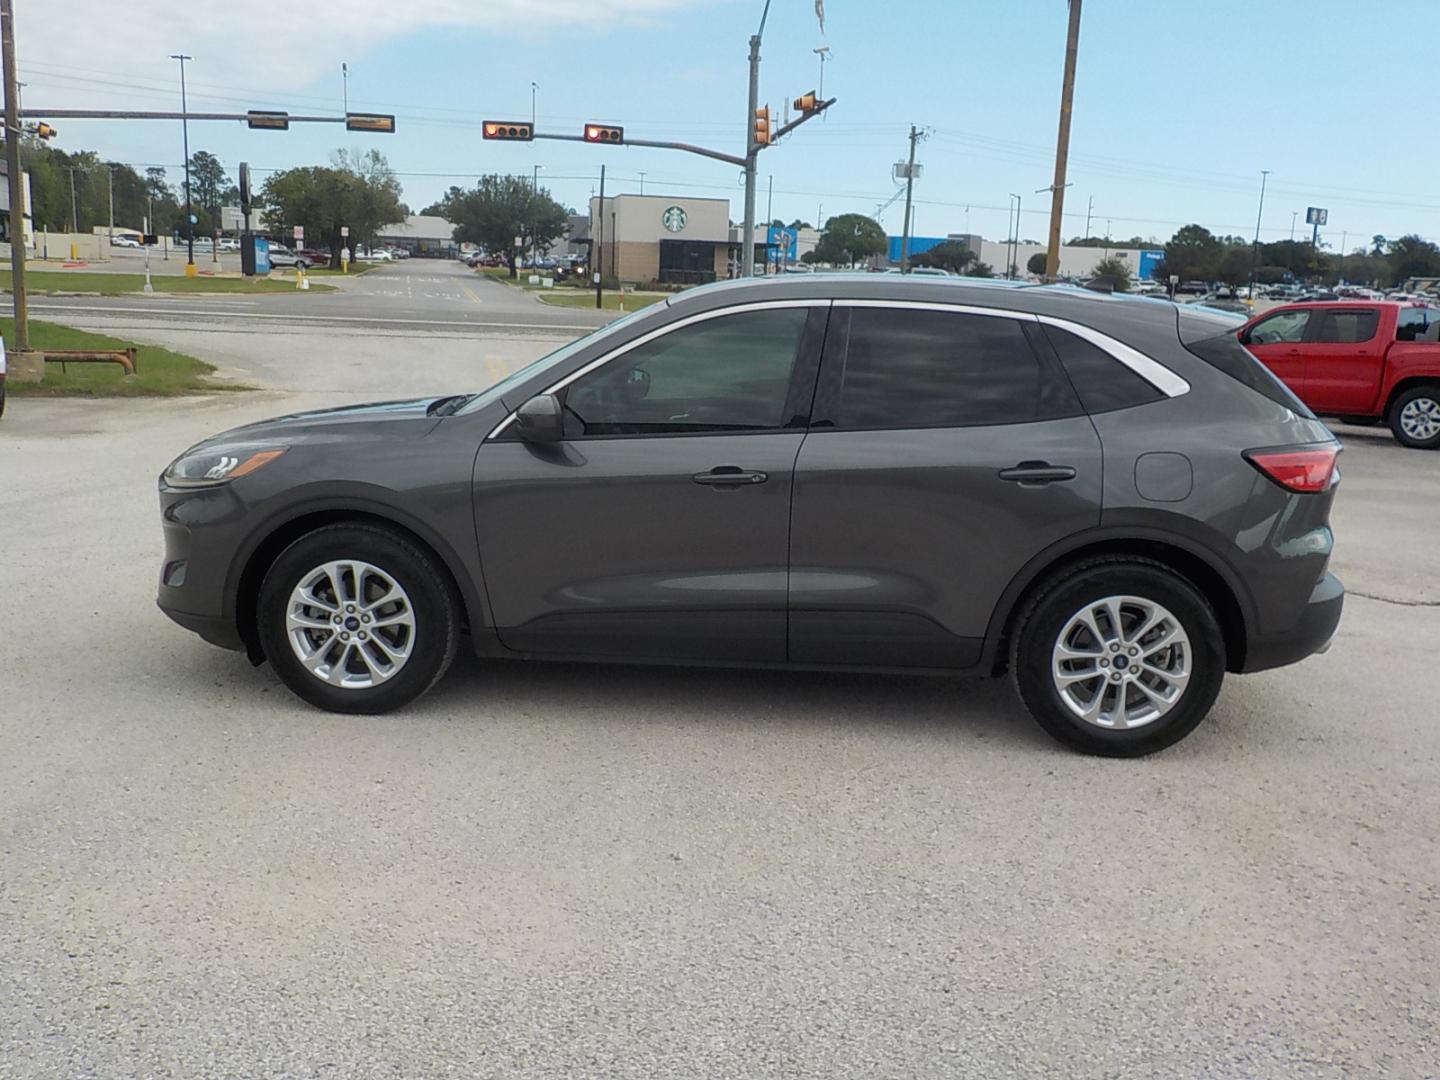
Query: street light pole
point(1293, 215)
point(1255, 253)
point(185, 134)
point(747, 234)
point(533, 87)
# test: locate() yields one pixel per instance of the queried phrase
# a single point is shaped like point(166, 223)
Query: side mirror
point(540, 420)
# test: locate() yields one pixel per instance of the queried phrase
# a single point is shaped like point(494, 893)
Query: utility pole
point(642, 182)
point(909, 191)
point(1089, 209)
point(185, 132)
point(597, 244)
point(74, 218)
point(769, 218)
point(110, 176)
point(533, 87)
point(1255, 252)
point(16, 178)
point(345, 84)
point(1293, 215)
point(752, 150)
point(1014, 252)
point(1062, 143)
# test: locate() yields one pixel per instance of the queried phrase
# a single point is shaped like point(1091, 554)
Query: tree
point(849, 238)
point(1410, 256)
point(1115, 272)
point(798, 224)
point(207, 181)
point(949, 255)
point(1193, 252)
point(500, 208)
point(980, 269)
point(1036, 264)
point(357, 191)
point(437, 208)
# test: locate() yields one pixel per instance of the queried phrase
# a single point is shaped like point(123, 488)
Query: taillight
point(1308, 470)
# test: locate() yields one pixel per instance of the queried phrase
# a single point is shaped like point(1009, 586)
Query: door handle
point(730, 476)
point(1037, 473)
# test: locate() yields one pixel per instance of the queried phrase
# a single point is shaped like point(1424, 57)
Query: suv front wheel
point(1118, 656)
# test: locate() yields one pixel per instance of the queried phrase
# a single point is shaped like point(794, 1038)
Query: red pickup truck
point(1361, 361)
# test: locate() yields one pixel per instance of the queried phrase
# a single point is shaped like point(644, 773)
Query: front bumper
point(1310, 635)
point(201, 529)
point(215, 629)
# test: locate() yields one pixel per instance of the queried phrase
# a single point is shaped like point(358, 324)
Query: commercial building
point(420, 234)
point(28, 230)
point(1075, 262)
point(675, 241)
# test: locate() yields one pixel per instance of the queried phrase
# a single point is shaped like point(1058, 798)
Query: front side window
point(913, 368)
point(1349, 326)
point(1286, 326)
point(730, 373)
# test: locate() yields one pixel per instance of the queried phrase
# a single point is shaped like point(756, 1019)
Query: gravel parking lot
point(575, 871)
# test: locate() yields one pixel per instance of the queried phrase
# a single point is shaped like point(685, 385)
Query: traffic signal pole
point(752, 151)
point(16, 177)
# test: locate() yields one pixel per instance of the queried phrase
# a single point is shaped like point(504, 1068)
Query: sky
point(1179, 106)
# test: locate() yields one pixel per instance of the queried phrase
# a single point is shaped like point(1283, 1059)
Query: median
point(158, 372)
point(103, 284)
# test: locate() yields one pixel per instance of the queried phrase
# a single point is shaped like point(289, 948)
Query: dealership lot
point(556, 870)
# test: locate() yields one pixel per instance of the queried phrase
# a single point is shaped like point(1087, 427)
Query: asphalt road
point(556, 870)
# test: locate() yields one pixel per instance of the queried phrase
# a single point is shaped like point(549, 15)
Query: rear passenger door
point(944, 452)
point(1278, 342)
point(1344, 360)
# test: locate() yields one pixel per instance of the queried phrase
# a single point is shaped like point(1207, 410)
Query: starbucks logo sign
point(674, 219)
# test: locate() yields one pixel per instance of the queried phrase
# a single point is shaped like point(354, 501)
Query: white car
point(229, 244)
point(124, 241)
point(378, 255)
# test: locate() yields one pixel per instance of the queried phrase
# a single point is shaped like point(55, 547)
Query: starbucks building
point(645, 238)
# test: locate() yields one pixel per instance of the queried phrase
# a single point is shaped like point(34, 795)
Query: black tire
point(1054, 603)
point(436, 611)
point(2, 397)
point(1427, 392)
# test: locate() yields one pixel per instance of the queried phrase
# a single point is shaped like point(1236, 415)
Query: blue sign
point(778, 239)
point(917, 245)
point(262, 255)
point(193, 219)
point(1149, 262)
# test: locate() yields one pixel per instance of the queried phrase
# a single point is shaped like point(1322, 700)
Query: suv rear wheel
point(1118, 656)
point(1415, 417)
point(358, 619)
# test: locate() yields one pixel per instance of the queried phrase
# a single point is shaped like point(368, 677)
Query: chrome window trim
point(1149, 369)
point(644, 339)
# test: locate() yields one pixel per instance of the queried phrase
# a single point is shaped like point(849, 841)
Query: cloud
point(74, 49)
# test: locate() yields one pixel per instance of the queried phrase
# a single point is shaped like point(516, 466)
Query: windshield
point(549, 360)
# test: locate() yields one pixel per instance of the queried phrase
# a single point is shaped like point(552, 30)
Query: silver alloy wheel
point(350, 624)
point(1420, 418)
point(1121, 662)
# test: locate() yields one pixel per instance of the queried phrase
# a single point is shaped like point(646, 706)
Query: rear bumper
point(1310, 635)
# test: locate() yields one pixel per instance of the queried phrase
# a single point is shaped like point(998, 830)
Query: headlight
point(204, 468)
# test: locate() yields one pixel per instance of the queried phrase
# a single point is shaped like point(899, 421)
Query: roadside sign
point(383, 122)
point(344, 230)
point(1317, 215)
point(274, 121)
point(1174, 279)
point(519, 242)
point(193, 219)
point(299, 231)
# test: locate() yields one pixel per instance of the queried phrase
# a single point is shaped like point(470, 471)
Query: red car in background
point(1361, 361)
point(315, 256)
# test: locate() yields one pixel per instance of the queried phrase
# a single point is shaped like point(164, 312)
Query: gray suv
point(1108, 497)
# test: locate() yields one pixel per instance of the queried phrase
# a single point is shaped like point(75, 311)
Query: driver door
point(1278, 342)
point(659, 528)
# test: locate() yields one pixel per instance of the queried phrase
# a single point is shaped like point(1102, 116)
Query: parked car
point(399, 253)
point(283, 258)
point(857, 472)
point(315, 256)
point(123, 241)
point(1362, 362)
point(374, 255)
point(229, 243)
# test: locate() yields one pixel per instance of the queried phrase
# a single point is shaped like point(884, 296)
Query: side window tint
point(1103, 383)
point(1411, 324)
point(909, 368)
point(1347, 327)
point(730, 373)
point(1287, 326)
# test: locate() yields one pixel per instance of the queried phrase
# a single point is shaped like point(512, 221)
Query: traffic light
point(807, 103)
point(600, 133)
point(44, 131)
point(360, 121)
point(762, 126)
point(269, 121)
point(508, 129)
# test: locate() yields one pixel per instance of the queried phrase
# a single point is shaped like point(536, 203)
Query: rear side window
point(1103, 383)
point(1410, 326)
point(1348, 326)
point(1224, 352)
point(913, 368)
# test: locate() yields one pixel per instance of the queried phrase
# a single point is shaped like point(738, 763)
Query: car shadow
point(636, 695)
